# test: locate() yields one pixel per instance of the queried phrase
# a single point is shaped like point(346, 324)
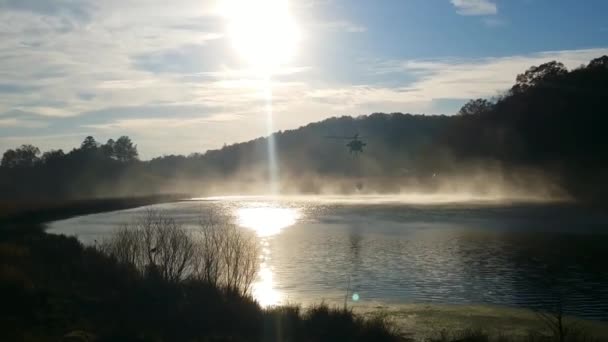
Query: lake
point(396, 250)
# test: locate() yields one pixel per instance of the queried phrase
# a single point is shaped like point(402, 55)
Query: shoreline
point(424, 321)
point(40, 213)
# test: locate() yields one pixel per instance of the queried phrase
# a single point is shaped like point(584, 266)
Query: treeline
point(552, 120)
point(122, 150)
point(26, 173)
point(549, 126)
point(551, 123)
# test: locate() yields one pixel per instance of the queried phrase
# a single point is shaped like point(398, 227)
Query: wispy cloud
point(14, 122)
point(74, 9)
point(454, 78)
point(475, 7)
point(70, 68)
point(438, 80)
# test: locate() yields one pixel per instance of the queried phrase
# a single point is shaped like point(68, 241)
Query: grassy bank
point(429, 321)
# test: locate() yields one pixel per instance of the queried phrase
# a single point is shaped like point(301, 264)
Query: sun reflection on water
point(266, 221)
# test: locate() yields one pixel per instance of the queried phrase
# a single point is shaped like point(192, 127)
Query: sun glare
point(263, 32)
point(267, 221)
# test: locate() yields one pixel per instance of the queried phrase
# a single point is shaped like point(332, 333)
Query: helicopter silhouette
point(355, 145)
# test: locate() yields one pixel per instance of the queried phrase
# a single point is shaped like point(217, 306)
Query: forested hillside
point(549, 127)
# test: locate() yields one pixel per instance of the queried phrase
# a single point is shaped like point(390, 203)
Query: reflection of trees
point(354, 237)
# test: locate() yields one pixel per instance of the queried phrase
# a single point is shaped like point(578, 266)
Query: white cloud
point(436, 80)
point(482, 77)
point(237, 104)
point(44, 142)
point(135, 125)
point(15, 122)
point(63, 68)
point(475, 7)
point(95, 56)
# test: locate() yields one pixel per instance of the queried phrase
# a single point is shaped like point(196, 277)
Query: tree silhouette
point(24, 156)
point(89, 144)
point(538, 74)
point(52, 156)
point(108, 150)
point(125, 150)
point(601, 62)
point(478, 106)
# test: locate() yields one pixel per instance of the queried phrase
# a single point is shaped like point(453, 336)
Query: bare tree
point(154, 241)
point(218, 253)
point(227, 256)
point(240, 255)
point(210, 241)
point(124, 246)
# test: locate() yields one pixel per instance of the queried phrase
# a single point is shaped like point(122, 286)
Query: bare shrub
point(227, 256)
point(155, 241)
point(124, 246)
point(210, 241)
point(218, 253)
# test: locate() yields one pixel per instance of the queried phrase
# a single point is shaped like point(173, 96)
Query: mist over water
point(408, 249)
point(469, 182)
point(405, 198)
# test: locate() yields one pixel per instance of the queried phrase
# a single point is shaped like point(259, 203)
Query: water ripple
point(524, 256)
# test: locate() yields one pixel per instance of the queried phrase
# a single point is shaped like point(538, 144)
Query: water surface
point(389, 251)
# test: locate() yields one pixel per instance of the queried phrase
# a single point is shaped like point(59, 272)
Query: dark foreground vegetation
point(547, 132)
point(147, 284)
point(473, 335)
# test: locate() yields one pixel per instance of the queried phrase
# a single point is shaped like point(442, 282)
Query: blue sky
point(166, 73)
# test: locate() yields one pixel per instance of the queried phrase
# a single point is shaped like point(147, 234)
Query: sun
point(263, 32)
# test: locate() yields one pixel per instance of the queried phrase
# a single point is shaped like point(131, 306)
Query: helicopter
point(355, 145)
